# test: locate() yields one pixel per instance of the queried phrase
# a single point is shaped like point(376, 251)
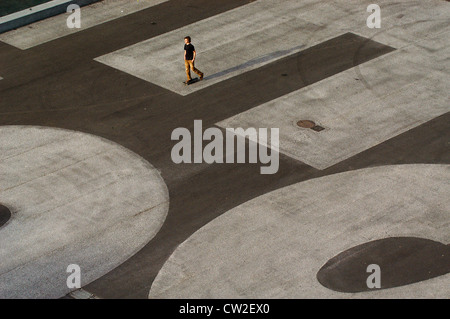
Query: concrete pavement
point(56, 27)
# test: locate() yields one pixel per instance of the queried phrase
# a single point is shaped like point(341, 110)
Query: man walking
point(189, 58)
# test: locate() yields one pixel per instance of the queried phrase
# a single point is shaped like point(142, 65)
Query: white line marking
point(404, 94)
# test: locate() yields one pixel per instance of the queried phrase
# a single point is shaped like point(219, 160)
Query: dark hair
point(188, 38)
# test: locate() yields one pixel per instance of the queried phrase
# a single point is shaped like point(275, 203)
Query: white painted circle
point(75, 199)
point(274, 245)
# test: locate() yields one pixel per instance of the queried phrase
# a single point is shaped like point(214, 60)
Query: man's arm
point(193, 58)
point(185, 55)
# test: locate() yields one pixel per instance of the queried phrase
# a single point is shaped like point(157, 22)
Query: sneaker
point(201, 77)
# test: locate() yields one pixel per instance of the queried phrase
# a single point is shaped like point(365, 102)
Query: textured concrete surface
point(274, 245)
point(367, 105)
point(227, 45)
point(348, 271)
point(56, 27)
point(5, 215)
point(75, 199)
point(59, 84)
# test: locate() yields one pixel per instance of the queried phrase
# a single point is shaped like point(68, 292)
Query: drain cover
point(5, 215)
point(306, 124)
point(317, 128)
point(310, 124)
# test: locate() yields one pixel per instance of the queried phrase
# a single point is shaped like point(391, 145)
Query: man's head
point(187, 40)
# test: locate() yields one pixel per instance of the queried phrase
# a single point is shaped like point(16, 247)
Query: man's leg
point(199, 73)
point(188, 71)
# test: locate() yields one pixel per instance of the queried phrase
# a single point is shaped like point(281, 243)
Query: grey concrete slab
point(228, 44)
point(56, 27)
point(75, 199)
point(403, 22)
point(274, 245)
point(5, 215)
point(347, 271)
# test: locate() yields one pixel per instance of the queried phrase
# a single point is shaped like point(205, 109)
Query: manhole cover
point(317, 128)
point(5, 215)
point(306, 124)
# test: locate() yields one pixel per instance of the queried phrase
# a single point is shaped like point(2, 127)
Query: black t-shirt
point(189, 51)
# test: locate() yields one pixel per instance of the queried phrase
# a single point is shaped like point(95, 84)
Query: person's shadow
point(259, 60)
